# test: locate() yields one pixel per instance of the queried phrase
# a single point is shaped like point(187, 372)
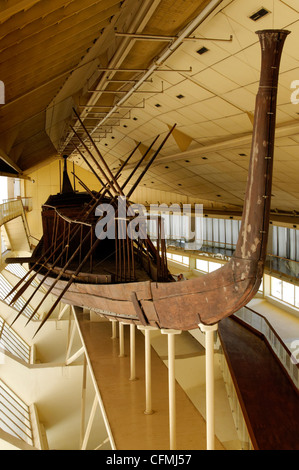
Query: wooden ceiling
point(41, 43)
point(58, 55)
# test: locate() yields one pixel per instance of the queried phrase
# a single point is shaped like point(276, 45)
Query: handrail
point(288, 364)
point(10, 210)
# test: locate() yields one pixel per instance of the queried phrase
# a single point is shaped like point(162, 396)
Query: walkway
point(270, 400)
point(124, 400)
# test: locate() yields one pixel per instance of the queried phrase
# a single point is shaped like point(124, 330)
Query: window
point(177, 258)
point(297, 296)
point(213, 266)
point(261, 288)
point(202, 265)
point(288, 293)
point(276, 288)
point(207, 266)
point(186, 260)
point(285, 291)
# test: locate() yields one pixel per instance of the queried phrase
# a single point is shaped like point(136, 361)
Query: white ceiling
point(217, 106)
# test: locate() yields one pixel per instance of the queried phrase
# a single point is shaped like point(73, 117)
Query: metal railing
point(10, 210)
point(85, 431)
point(26, 202)
point(15, 415)
point(13, 343)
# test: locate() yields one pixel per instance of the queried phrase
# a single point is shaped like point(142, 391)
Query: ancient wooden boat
point(128, 280)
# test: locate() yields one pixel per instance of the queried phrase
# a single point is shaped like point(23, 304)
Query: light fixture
point(259, 14)
point(202, 50)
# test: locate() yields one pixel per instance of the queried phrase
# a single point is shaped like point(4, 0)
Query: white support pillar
point(209, 331)
point(148, 373)
point(83, 402)
point(121, 340)
point(132, 353)
point(114, 322)
point(171, 385)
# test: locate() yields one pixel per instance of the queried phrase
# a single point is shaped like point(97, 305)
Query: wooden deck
point(124, 400)
point(270, 399)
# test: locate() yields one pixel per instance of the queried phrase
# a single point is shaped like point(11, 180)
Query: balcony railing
point(284, 354)
point(15, 415)
point(13, 205)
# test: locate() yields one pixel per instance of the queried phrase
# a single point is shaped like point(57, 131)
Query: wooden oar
point(40, 260)
point(68, 284)
point(55, 282)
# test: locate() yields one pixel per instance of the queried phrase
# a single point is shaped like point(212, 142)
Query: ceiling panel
point(212, 105)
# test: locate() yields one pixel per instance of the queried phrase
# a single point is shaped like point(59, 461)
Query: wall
point(46, 181)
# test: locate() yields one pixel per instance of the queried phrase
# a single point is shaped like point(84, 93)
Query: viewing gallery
point(149, 215)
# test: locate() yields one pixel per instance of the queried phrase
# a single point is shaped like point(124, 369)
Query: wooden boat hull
point(181, 305)
point(154, 301)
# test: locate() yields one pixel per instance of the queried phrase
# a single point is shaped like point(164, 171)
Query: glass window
point(288, 293)
point(177, 258)
point(186, 260)
point(213, 266)
point(202, 265)
point(297, 296)
point(276, 288)
point(261, 288)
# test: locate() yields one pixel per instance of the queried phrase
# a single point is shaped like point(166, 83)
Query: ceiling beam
point(9, 8)
point(9, 161)
point(18, 31)
point(20, 176)
point(229, 144)
point(71, 30)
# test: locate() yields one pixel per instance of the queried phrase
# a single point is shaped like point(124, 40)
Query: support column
point(121, 340)
point(132, 353)
point(114, 322)
point(148, 373)
point(209, 331)
point(83, 402)
point(171, 385)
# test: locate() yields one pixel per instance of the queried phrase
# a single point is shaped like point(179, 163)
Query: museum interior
point(149, 214)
